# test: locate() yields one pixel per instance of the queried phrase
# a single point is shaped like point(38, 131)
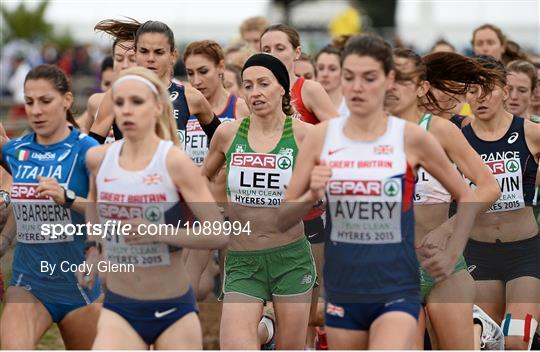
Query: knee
point(244, 339)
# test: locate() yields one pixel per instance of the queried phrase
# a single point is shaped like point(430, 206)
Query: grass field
point(210, 313)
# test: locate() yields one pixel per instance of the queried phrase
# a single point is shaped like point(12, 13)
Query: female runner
point(366, 164)
point(139, 180)
point(268, 265)
point(48, 163)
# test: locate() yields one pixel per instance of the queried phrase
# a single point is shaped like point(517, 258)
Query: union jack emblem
point(383, 149)
point(335, 310)
point(152, 179)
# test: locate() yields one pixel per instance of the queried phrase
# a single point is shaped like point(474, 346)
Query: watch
point(69, 196)
point(5, 196)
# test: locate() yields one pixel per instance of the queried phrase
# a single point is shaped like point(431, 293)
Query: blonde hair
point(257, 23)
point(165, 126)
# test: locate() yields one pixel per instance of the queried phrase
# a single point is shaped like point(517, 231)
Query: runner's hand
point(49, 187)
point(88, 279)
point(319, 178)
point(438, 238)
point(135, 236)
point(438, 263)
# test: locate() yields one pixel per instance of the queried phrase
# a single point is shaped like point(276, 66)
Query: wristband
point(211, 128)
point(97, 137)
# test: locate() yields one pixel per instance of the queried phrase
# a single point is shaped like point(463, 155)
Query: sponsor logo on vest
point(262, 161)
point(119, 211)
point(284, 163)
point(355, 188)
point(193, 126)
point(334, 151)
point(152, 214)
point(174, 95)
point(43, 156)
point(513, 137)
point(25, 191)
point(391, 188)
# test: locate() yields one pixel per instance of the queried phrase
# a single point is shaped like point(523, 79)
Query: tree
point(16, 22)
point(30, 24)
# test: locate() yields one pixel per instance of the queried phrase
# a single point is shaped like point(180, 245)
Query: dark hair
point(292, 34)
point(524, 67)
point(155, 27)
point(495, 66)
point(453, 74)
point(443, 42)
point(329, 49)
point(122, 31)
point(420, 70)
point(107, 64)
point(237, 72)
point(370, 45)
point(208, 48)
point(58, 80)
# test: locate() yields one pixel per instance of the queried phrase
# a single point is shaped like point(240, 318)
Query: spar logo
point(25, 191)
point(120, 211)
point(512, 166)
point(284, 162)
point(355, 188)
point(261, 161)
point(391, 188)
point(181, 135)
point(501, 167)
point(152, 214)
point(193, 126)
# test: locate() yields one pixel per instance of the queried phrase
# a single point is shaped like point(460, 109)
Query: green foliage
point(17, 22)
point(31, 24)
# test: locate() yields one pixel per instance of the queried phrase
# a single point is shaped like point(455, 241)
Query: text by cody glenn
point(118, 228)
point(102, 266)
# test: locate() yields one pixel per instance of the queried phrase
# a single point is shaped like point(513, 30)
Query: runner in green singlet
point(262, 263)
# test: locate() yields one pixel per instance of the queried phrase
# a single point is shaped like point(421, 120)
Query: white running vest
point(428, 190)
point(123, 195)
point(365, 192)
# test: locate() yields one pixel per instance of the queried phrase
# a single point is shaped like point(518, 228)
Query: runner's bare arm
point(422, 149)
point(242, 109)
point(215, 159)
point(318, 101)
point(105, 117)
point(8, 232)
point(300, 197)
point(191, 184)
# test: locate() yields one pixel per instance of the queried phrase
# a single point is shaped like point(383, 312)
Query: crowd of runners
point(365, 197)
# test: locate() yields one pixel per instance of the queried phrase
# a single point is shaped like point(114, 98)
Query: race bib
point(365, 212)
point(508, 174)
point(117, 251)
point(182, 137)
point(32, 213)
point(259, 180)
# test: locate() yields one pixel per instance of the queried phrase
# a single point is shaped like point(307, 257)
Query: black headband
point(273, 64)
